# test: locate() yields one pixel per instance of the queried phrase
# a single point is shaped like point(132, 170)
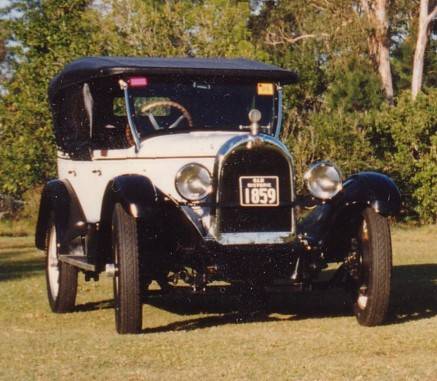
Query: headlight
point(323, 180)
point(193, 182)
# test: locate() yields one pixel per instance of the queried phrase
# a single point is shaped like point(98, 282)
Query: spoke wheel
point(127, 280)
point(61, 278)
point(372, 283)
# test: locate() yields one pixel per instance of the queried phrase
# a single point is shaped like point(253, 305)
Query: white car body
point(159, 158)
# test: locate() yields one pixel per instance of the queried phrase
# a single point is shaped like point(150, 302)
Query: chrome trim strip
point(225, 239)
point(248, 142)
point(279, 121)
point(266, 238)
point(194, 219)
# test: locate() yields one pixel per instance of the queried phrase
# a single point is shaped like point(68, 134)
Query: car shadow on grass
point(95, 306)
point(231, 309)
point(414, 297)
point(18, 261)
point(212, 321)
point(414, 293)
point(19, 269)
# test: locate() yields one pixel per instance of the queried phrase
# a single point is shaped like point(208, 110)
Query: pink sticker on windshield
point(137, 82)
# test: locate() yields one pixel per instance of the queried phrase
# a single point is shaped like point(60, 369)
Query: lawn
point(302, 337)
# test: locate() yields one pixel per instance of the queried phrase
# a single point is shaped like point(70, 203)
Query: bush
point(20, 220)
point(334, 136)
point(408, 135)
point(400, 141)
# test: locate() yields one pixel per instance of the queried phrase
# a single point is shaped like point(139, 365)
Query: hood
point(180, 145)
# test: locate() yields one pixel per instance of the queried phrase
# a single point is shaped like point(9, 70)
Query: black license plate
point(259, 191)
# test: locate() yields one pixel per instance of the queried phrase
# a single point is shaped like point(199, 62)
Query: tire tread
point(129, 319)
point(380, 271)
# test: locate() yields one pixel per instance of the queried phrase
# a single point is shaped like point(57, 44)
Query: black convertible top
point(89, 68)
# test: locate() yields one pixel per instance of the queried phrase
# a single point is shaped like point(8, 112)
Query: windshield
point(162, 106)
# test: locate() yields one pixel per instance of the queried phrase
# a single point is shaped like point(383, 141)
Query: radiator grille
point(264, 161)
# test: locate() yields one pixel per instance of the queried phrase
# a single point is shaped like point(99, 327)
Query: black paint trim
point(138, 197)
point(59, 201)
point(328, 227)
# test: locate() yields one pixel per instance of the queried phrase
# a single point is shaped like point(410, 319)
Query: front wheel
point(61, 277)
point(127, 281)
point(373, 278)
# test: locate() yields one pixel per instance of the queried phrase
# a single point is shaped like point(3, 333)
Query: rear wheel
point(374, 265)
point(61, 277)
point(127, 280)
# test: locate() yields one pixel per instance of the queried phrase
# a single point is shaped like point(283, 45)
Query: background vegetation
point(343, 109)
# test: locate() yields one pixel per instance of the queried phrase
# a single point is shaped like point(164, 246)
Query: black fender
point(60, 202)
point(138, 197)
point(136, 194)
point(371, 189)
point(329, 226)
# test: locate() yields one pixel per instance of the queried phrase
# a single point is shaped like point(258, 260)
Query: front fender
point(371, 189)
point(59, 202)
point(137, 195)
point(329, 226)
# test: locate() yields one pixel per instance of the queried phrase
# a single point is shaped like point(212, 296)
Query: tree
point(200, 28)
point(45, 35)
point(2, 50)
point(379, 42)
point(425, 19)
point(2, 40)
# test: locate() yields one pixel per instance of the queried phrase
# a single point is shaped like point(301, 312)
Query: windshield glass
point(161, 106)
point(170, 105)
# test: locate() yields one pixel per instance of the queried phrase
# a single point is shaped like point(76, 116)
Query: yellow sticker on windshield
point(265, 89)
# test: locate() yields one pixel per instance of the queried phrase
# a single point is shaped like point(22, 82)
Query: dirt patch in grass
point(300, 336)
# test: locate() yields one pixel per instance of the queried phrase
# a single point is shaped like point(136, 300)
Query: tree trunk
point(379, 42)
point(2, 50)
point(425, 20)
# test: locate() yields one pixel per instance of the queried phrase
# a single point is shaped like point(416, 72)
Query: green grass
point(16, 228)
point(309, 336)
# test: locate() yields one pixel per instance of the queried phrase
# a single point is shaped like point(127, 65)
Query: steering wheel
point(145, 110)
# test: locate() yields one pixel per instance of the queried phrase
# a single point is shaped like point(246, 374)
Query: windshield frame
point(275, 124)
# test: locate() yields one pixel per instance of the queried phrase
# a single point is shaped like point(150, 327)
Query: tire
point(61, 278)
point(372, 294)
point(127, 279)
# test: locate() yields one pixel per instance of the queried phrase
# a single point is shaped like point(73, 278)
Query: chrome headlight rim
point(179, 177)
point(318, 193)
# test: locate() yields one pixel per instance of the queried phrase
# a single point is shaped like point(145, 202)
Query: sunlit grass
point(309, 336)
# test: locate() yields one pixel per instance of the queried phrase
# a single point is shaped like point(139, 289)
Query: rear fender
point(60, 203)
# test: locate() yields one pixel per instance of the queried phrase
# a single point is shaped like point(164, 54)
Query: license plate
point(259, 191)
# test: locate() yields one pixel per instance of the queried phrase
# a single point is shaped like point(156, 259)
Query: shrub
point(335, 136)
point(409, 134)
point(400, 141)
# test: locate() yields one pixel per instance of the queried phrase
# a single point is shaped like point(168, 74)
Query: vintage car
point(173, 171)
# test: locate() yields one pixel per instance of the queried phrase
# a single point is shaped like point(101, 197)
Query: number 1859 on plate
point(259, 191)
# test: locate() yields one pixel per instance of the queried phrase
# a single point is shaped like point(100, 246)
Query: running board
point(78, 261)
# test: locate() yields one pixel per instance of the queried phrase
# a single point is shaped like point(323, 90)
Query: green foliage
point(400, 141)
point(176, 28)
point(47, 35)
point(409, 132)
point(335, 136)
point(354, 86)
